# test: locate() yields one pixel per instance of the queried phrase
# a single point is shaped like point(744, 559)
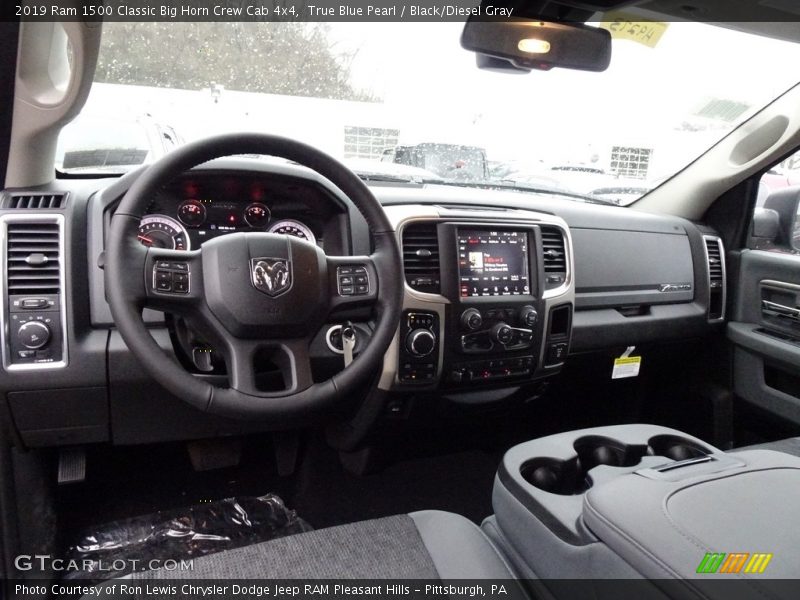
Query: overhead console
point(488, 299)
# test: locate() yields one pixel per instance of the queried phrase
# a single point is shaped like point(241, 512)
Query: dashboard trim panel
point(59, 220)
point(404, 215)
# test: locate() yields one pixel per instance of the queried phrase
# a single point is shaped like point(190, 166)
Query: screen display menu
point(493, 263)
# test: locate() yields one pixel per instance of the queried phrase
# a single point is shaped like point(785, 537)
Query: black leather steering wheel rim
point(127, 295)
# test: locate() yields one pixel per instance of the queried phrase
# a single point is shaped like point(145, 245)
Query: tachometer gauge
point(256, 215)
point(292, 227)
point(160, 231)
point(192, 213)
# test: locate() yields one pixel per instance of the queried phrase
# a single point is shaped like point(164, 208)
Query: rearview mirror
point(533, 44)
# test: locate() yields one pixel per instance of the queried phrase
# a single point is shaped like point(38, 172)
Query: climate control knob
point(33, 334)
point(502, 333)
point(420, 342)
point(528, 316)
point(471, 319)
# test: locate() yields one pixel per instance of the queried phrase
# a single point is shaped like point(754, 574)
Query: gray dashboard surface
point(614, 267)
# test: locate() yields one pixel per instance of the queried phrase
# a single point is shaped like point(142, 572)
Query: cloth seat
point(420, 545)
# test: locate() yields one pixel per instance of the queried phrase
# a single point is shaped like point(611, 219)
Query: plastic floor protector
point(158, 539)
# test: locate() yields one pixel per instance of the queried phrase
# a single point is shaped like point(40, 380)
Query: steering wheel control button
point(180, 283)
point(171, 277)
point(33, 335)
point(163, 281)
point(353, 280)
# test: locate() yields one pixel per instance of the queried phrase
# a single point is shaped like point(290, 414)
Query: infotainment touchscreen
point(493, 263)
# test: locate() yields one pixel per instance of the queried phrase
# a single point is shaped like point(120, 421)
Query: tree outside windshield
point(404, 99)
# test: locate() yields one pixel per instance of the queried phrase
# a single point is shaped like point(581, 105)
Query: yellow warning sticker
point(626, 366)
point(625, 26)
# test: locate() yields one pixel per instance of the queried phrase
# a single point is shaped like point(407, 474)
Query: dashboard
point(501, 289)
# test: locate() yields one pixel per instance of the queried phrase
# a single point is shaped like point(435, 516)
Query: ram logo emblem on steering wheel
point(273, 276)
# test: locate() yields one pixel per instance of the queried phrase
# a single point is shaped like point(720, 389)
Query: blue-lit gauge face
point(292, 227)
point(160, 231)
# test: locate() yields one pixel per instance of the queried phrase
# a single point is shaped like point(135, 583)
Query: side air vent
point(26, 201)
point(32, 251)
point(554, 256)
point(421, 257)
point(715, 257)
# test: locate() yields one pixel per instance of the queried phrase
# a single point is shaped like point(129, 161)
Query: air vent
point(25, 201)
point(32, 251)
point(554, 256)
point(421, 257)
point(715, 256)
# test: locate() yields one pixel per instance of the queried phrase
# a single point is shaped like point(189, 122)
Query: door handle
point(779, 310)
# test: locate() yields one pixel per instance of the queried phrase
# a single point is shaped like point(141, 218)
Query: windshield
point(405, 100)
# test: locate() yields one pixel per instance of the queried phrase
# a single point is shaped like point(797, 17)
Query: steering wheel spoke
point(285, 366)
point(352, 280)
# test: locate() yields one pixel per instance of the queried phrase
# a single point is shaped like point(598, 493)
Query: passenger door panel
point(765, 332)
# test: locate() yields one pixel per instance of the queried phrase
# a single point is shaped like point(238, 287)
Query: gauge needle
point(145, 239)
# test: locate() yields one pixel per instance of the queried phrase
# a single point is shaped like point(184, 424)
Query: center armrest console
point(642, 501)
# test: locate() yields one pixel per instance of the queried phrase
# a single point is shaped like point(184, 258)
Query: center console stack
point(648, 502)
point(498, 282)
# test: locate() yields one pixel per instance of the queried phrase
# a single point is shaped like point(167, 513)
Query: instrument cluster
point(187, 214)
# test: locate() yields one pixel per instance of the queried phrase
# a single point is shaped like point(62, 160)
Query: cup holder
point(563, 477)
point(598, 450)
point(676, 448)
point(569, 477)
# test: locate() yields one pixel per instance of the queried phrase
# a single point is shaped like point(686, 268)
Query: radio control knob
point(33, 335)
point(420, 342)
point(502, 333)
point(471, 319)
point(528, 316)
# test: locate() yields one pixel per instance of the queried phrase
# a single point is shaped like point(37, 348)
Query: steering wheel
point(252, 293)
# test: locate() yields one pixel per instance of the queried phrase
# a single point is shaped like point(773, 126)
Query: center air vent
point(715, 256)
point(28, 201)
point(32, 258)
point(421, 257)
point(554, 256)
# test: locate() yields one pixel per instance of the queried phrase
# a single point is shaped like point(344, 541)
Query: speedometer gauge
point(160, 231)
point(292, 227)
